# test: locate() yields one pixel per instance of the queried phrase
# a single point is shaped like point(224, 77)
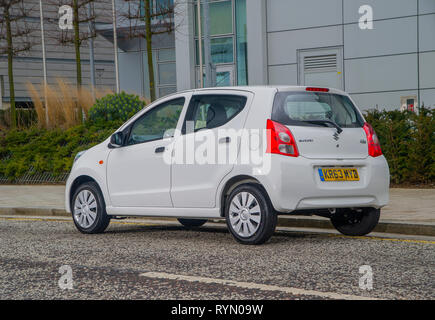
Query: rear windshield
point(299, 108)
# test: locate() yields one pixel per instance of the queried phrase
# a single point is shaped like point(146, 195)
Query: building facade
point(61, 64)
point(304, 42)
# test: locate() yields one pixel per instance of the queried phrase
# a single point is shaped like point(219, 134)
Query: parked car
point(323, 159)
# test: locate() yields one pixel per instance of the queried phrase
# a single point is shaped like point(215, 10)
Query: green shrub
point(36, 151)
point(408, 142)
point(114, 107)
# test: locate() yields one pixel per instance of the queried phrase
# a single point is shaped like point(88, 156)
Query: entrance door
point(321, 67)
point(224, 76)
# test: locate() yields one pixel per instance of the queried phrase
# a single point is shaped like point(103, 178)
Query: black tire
point(102, 220)
point(267, 224)
point(356, 222)
point(192, 223)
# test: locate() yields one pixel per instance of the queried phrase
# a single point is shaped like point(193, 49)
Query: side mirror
point(116, 140)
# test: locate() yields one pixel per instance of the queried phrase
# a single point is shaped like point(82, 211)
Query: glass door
point(224, 76)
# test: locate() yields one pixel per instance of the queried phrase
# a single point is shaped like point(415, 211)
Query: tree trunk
point(148, 39)
point(10, 67)
point(77, 43)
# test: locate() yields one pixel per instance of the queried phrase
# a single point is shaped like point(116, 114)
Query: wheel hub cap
point(85, 209)
point(245, 214)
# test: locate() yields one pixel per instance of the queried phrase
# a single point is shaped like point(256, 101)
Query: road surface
point(138, 259)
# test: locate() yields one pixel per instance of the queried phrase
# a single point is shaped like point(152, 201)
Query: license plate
point(338, 174)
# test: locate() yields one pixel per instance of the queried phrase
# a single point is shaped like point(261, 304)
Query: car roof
point(257, 89)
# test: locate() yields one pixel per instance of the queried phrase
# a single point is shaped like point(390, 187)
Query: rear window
point(299, 108)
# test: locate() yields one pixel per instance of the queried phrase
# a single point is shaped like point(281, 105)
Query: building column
point(184, 44)
point(257, 42)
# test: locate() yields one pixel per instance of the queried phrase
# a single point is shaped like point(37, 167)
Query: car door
point(210, 114)
point(138, 175)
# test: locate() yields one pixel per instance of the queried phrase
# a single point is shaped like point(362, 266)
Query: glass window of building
point(227, 24)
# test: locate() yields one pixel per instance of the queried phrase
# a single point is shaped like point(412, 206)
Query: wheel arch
point(233, 183)
point(78, 182)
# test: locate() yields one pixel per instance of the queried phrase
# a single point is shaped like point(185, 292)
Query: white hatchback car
point(246, 154)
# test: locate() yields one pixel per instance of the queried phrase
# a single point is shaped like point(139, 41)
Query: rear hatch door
point(326, 143)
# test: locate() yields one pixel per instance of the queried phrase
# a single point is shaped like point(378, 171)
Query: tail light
point(280, 140)
point(372, 141)
point(312, 89)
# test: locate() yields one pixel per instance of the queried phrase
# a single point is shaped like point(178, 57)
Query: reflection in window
point(167, 72)
point(153, 124)
point(222, 50)
point(221, 18)
point(241, 43)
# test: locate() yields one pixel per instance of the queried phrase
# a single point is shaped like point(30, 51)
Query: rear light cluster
point(372, 141)
point(280, 140)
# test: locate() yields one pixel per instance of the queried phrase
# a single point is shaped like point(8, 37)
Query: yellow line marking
point(251, 285)
point(380, 238)
point(157, 224)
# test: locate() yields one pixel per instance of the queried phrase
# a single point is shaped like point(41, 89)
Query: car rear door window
point(212, 111)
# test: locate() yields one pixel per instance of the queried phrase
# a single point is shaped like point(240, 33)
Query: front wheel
point(356, 222)
point(89, 209)
point(249, 214)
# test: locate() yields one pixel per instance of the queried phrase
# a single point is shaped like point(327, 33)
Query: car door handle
point(225, 140)
point(160, 150)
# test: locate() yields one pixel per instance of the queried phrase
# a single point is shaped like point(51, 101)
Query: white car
point(280, 150)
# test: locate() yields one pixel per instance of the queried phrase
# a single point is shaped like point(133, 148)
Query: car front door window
point(156, 123)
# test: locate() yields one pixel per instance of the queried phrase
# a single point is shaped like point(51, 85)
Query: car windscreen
point(299, 108)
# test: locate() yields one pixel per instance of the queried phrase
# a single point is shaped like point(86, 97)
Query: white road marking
point(257, 286)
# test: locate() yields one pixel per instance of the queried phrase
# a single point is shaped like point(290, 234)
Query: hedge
point(408, 142)
point(37, 151)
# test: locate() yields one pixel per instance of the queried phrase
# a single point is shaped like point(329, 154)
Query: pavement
point(411, 211)
point(47, 258)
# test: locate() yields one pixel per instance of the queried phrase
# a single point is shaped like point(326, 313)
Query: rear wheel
point(249, 214)
point(192, 223)
point(356, 222)
point(88, 209)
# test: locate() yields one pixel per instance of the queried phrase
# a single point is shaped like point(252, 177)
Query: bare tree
point(146, 21)
point(14, 32)
point(80, 32)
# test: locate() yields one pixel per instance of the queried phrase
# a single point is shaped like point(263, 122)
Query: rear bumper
point(294, 184)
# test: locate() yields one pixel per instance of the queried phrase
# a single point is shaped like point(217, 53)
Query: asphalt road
point(138, 260)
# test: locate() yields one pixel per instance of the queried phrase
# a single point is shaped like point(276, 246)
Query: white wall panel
point(283, 75)
point(283, 46)
point(389, 37)
point(428, 97)
point(426, 6)
point(382, 9)
point(427, 70)
point(427, 32)
point(381, 74)
point(384, 100)
point(296, 14)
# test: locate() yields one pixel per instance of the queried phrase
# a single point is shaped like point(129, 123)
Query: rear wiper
point(339, 129)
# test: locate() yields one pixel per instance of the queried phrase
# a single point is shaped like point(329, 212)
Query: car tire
point(356, 222)
point(192, 223)
point(89, 209)
point(249, 214)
